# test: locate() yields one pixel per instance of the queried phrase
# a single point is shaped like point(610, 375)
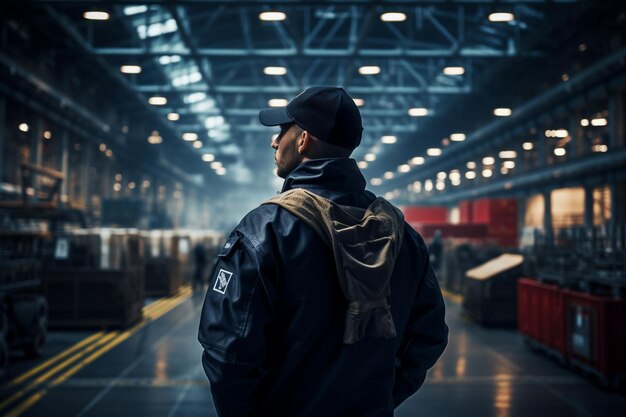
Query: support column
point(3, 107)
point(547, 214)
point(36, 144)
point(588, 207)
point(86, 179)
point(63, 164)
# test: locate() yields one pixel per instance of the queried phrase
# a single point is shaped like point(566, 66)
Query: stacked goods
point(490, 295)
point(417, 216)
point(466, 212)
point(500, 216)
point(94, 278)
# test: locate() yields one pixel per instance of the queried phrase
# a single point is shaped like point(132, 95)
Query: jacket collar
point(334, 174)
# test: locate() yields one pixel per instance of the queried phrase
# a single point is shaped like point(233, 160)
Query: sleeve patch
point(222, 281)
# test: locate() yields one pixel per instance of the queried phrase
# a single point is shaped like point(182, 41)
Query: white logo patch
point(221, 283)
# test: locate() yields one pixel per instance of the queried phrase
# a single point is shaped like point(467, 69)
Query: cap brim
point(274, 116)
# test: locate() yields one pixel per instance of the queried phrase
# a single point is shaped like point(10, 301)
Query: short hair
point(323, 149)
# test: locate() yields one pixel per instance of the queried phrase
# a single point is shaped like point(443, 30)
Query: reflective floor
point(154, 370)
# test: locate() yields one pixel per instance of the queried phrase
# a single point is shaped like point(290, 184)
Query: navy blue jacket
point(273, 317)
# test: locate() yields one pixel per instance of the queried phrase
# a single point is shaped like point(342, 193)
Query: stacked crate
point(500, 216)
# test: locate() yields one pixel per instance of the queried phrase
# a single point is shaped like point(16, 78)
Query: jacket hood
point(335, 174)
point(365, 244)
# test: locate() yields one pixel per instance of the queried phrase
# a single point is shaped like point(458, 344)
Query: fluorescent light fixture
point(507, 155)
point(169, 59)
point(487, 173)
point(275, 70)
point(186, 79)
point(471, 165)
point(599, 121)
point(388, 140)
point(393, 17)
point(130, 69)
point(369, 70)
point(418, 112)
point(428, 185)
point(502, 112)
point(96, 15)
point(489, 160)
point(132, 10)
point(441, 176)
point(23, 127)
point(600, 148)
point(508, 164)
point(272, 16)
point(358, 101)
point(418, 160)
point(362, 164)
point(194, 97)
point(388, 175)
point(404, 168)
point(216, 165)
point(454, 70)
point(190, 136)
point(220, 171)
point(213, 122)
point(370, 157)
point(455, 175)
point(376, 181)
point(470, 175)
point(155, 138)
point(457, 137)
point(584, 122)
point(501, 17)
point(173, 116)
point(157, 101)
point(277, 102)
point(560, 151)
point(558, 133)
point(197, 144)
point(157, 29)
point(440, 186)
point(528, 146)
point(208, 157)
point(433, 151)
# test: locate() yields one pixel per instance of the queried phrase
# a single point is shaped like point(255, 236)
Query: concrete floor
point(155, 371)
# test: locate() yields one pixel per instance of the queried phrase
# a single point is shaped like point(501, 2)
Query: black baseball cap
point(328, 113)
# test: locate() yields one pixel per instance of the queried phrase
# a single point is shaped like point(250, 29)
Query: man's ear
point(304, 143)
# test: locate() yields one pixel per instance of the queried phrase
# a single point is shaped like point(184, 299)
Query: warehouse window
point(568, 207)
point(601, 205)
point(534, 213)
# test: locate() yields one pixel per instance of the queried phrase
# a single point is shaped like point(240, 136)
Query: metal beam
point(250, 89)
point(399, 3)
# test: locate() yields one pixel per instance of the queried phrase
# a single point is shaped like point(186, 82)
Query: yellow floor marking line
point(43, 378)
point(455, 298)
point(26, 375)
point(163, 308)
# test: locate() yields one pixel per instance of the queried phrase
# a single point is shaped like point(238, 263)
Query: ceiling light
point(362, 164)
point(502, 112)
point(388, 175)
point(418, 112)
point(470, 175)
point(560, 151)
point(600, 148)
point(441, 175)
point(208, 157)
point(23, 127)
point(155, 138)
point(117, 186)
point(457, 137)
point(455, 175)
point(508, 164)
point(501, 17)
point(272, 16)
point(221, 171)
point(393, 17)
point(47, 134)
point(599, 121)
point(169, 59)
point(197, 144)
point(507, 154)
point(417, 160)
point(369, 70)
point(277, 102)
point(433, 151)
point(130, 69)
point(102, 147)
point(370, 157)
point(487, 173)
point(190, 136)
point(584, 122)
point(216, 165)
point(471, 165)
point(428, 185)
point(376, 181)
point(132, 10)
point(417, 186)
point(489, 160)
point(132, 185)
point(173, 116)
point(275, 70)
point(404, 168)
point(440, 185)
point(454, 70)
point(528, 146)
point(96, 15)
point(388, 140)
point(109, 153)
point(358, 101)
point(157, 29)
point(157, 101)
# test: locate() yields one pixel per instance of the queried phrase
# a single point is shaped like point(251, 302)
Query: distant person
point(323, 302)
point(436, 250)
point(200, 261)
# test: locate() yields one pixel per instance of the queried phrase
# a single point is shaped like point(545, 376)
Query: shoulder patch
point(222, 281)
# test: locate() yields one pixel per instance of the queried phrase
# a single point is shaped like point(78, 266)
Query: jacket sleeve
point(425, 339)
point(236, 314)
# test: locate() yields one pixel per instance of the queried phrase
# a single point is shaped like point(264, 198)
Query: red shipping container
point(495, 210)
point(465, 212)
point(595, 332)
point(425, 214)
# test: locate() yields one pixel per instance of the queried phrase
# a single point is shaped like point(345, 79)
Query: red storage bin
point(495, 211)
point(595, 332)
point(425, 214)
